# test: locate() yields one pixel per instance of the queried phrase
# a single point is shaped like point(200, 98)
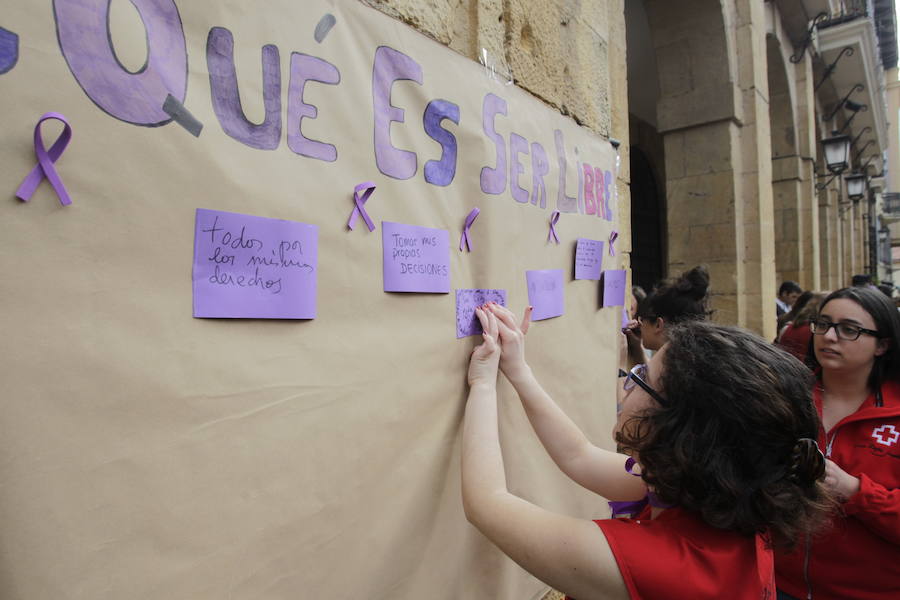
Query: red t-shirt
point(796, 340)
point(679, 556)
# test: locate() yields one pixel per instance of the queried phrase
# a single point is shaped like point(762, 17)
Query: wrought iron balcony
point(891, 204)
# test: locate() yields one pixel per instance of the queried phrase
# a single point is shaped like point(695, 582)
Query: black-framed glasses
point(638, 376)
point(845, 331)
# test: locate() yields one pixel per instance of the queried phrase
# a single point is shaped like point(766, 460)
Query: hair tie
point(807, 462)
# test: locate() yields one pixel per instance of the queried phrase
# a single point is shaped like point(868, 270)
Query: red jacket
point(858, 557)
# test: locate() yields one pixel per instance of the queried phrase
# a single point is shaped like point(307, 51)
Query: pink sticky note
point(545, 293)
point(467, 322)
point(416, 259)
point(588, 259)
point(248, 267)
point(613, 285)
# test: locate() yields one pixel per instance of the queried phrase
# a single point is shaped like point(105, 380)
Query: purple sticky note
point(248, 267)
point(588, 259)
point(613, 285)
point(625, 318)
point(545, 293)
point(467, 322)
point(416, 259)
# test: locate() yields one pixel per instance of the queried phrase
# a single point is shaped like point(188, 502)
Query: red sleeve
point(876, 507)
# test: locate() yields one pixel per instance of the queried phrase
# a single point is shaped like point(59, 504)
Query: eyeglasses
point(638, 376)
point(845, 331)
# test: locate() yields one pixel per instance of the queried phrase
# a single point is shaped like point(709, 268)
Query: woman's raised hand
point(485, 356)
point(512, 339)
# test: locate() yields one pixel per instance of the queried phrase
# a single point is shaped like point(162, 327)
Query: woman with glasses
point(856, 336)
point(718, 431)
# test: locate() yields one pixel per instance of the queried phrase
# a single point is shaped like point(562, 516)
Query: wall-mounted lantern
point(856, 186)
point(837, 149)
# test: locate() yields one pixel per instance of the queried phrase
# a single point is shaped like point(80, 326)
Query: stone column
point(755, 217)
point(807, 145)
point(789, 221)
point(713, 115)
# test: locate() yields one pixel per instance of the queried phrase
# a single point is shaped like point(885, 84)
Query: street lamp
point(856, 186)
point(837, 148)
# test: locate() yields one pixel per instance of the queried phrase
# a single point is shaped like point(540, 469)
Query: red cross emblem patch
point(886, 435)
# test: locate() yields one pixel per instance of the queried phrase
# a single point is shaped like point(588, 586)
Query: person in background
point(789, 316)
point(788, 293)
point(632, 330)
point(719, 430)
point(796, 335)
point(856, 342)
point(861, 280)
point(673, 301)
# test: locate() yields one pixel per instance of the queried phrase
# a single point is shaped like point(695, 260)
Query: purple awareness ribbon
point(45, 167)
point(359, 209)
point(464, 238)
point(554, 219)
point(612, 240)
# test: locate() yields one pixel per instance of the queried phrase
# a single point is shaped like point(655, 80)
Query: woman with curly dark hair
point(720, 430)
point(856, 343)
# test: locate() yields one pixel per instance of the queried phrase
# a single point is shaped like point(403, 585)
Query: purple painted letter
point(493, 180)
point(517, 145)
point(539, 168)
point(441, 172)
point(308, 68)
point(9, 50)
point(226, 98)
point(564, 202)
point(390, 66)
point(590, 207)
point(137, 98)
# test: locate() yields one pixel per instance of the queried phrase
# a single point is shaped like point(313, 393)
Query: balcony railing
point(891, 204)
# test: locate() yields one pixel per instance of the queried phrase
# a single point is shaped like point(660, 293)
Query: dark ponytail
point(683, 299)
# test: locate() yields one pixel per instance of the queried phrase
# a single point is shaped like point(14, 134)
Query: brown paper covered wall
point(148, 454)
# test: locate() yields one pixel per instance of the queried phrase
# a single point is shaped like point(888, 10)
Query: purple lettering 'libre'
point(308, 68)
point(137, 98)
point(539, 167)
point(441, 172)
point(390, 66)
point(493, 180)
point(564, 202)
point(226, 97)
point(517, 145)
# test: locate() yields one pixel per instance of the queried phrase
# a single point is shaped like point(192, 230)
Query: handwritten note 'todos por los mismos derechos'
point(248, 267)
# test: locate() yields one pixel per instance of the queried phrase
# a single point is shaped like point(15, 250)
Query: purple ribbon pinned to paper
point(612, 240)
point(45, 167)
point(554, 219)
point(359, 209)
point(464, 238)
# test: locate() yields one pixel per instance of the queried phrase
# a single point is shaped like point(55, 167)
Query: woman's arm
point(874, 505)
point(569, 554)
point(594, 468)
